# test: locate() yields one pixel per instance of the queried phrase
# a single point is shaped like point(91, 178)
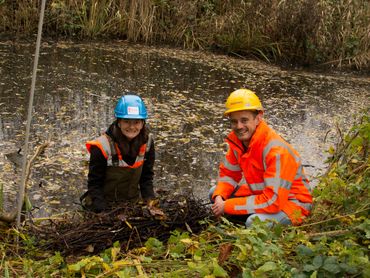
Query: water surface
point(78, 85)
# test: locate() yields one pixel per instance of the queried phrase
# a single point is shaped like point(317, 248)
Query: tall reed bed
point(311, 32)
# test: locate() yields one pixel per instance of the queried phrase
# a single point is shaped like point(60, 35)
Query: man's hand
point(218, 206)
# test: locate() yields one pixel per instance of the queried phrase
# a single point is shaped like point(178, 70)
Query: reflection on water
point(78, 85)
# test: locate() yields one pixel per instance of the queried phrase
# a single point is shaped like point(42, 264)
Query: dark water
point(78, 85)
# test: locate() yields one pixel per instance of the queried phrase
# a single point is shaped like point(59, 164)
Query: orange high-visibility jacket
point(274, 176)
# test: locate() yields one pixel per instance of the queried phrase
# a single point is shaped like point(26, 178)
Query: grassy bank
point(305, 32)
point(333, 242)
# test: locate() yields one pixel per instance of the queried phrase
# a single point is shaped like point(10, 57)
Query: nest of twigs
point(129, 224)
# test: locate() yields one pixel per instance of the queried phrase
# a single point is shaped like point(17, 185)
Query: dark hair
point(255, 112)
point(130, 148)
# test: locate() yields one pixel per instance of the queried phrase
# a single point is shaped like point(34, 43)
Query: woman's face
point(130, 128)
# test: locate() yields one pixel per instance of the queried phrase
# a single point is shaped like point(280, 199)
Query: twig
point(326, 135)
point(39, 150)
point(329, 233)
point(358, 169)
point(11, 216)
point(327, 220)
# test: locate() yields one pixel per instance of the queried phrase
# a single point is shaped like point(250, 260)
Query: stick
point(29, 115)
point(329, 233)
point(10, 217)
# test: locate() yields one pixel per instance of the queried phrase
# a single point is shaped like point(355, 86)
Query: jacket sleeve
point(280, 170)
point(147, 174)
point(96, 177)
point(229, 176)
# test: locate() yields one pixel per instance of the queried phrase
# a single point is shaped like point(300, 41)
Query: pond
point(78, 85)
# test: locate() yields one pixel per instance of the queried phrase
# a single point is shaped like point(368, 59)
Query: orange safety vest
point(273, 173)
point(105, 144)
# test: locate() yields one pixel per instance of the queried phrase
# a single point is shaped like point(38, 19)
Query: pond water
point(78, 85)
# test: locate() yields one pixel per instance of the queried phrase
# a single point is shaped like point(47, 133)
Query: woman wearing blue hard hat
point(122, 159)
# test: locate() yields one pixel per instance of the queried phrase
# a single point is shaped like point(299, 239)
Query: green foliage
point(348, 175)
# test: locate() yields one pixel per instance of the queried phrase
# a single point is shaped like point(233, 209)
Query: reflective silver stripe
point(278, 182)
point(230, 166)
point(106, 147)
point(278, 166)
point(307, 206)
point(306, 184)
point(121, 163)
point(304, 179)
point(139, 158)
point(267, 203)
point(278, 143)
point(228, 180)
point(257, 186)
point(249, 207)
point(235, 154)
point(103, 140)
point(243, 181)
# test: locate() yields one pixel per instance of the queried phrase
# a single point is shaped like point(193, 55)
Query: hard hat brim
point(132, 117)
point(259, 108)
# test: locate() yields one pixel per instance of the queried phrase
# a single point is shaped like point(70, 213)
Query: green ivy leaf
point(268, 266)
point(309, 268)
point(318, 261)
point(348, 268)
point(303, 250)
point(365, 226)
point(332, 268)
point(218, 271)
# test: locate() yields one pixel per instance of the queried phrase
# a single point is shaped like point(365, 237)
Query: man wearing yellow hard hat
point(261, 175)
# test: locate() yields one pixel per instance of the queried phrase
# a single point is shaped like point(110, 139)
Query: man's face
point(244, 124)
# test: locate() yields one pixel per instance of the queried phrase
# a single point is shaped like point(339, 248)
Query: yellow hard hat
point(242, 99)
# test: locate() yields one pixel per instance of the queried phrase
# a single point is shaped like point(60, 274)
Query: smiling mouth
point(239, 133)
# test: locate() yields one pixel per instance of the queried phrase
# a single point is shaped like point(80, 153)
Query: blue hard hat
point(130, 107)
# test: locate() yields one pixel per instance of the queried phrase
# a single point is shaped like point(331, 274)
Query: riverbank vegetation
point(333, 242)
point(303, 32)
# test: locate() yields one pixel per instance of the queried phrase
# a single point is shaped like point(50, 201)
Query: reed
point(19, 17)
point(140, 19)
point(309, 32)
point(344, 33)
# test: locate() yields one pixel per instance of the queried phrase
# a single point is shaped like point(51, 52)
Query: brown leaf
point(225, 251)
point(89, 248)
point(155, 211)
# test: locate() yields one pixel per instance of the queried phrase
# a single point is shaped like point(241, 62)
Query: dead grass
point(310, 32)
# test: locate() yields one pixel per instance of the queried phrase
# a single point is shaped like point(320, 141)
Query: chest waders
point(122, 183)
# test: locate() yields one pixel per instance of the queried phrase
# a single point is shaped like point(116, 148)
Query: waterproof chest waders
point(121, 184)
